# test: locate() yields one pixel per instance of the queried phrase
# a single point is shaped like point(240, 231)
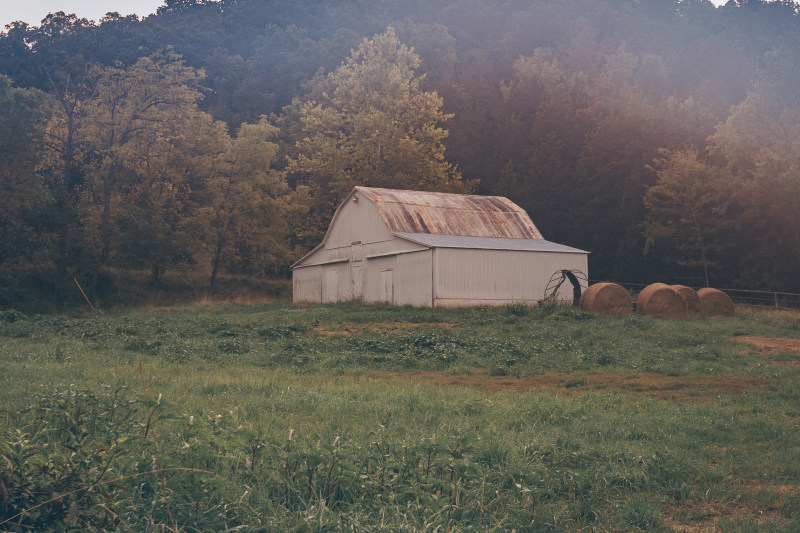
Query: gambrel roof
point(439, 213)
point(498, 221)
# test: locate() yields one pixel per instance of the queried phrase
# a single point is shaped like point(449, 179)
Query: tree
point(368, 123)
point(23, 198)
point(131, 107)
point(245, 202)
point(136, 117)
point(154, 205)
point(547, 120)
point(689, 211)
point(64, 153)
point(759, 144)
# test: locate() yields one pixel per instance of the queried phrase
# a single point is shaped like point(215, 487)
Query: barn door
point(356, 274)
point(330, 289)
point(387, 286)
point(357, 281)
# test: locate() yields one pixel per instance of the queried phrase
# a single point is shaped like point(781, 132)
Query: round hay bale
point(661, 301)
point(693, 303)
point(715, 302)
point(608, 299)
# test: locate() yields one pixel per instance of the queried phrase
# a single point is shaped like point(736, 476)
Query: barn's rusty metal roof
point(488, 243)
point(451, 214)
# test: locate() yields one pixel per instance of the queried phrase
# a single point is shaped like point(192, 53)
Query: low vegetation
point(274, 417)
point(218, 136)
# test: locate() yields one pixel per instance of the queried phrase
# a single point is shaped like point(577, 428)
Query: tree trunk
point(217, 260)
point(65, 207)
point(105, 227)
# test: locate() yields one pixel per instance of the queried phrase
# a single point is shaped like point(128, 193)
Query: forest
point(217, 137)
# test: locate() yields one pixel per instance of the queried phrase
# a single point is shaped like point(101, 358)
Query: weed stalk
point(152, 430)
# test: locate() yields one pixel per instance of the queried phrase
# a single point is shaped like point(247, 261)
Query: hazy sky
point(33, 11)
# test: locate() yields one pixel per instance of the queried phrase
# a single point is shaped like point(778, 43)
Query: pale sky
point(33, 11)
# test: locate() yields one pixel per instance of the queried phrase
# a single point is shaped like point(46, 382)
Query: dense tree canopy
point(368, 123)
point(24, 112)
point(217, 136)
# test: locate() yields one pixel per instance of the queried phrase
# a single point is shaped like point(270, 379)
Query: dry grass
point(242, 298)
point(676, 389)
point(362, 328)
point(776, 347)
point(771, 344)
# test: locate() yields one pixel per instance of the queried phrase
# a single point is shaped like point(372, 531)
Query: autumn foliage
point(216, 138)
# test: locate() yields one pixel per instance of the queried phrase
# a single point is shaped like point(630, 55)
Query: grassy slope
point(570, 420)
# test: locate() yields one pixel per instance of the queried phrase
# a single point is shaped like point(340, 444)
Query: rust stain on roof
point(451, 214)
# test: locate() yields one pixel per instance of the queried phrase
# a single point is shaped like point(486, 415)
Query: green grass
point(345, 417)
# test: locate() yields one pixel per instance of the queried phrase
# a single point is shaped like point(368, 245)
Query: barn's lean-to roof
point(486, 243)
point(451, 214)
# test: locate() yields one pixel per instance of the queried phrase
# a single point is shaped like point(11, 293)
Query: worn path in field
point(771, 344)
point(774, 344)
point(674, 388)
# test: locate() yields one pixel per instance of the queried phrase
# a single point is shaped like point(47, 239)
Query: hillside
point(660, 135)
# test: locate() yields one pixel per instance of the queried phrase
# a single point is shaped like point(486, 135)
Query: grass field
point(343, 417)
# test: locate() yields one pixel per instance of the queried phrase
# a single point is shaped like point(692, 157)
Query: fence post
point(776, 300)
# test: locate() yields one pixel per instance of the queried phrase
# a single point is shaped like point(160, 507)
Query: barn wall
point(414, 279)
point(307, 284)
point(336, 283)
point(465, 277)
point(349, 252)
point(330, 278)
point(357, 221)
point(374, 279)
point(410, 277)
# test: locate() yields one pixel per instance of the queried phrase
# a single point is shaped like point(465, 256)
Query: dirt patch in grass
point(711, 512)
point(325, 330)
point(771, 344)
point(707, 525)
point(795, 363)
point(755, 485)
point(705, 515)
point(679, 389)
point(360, 328)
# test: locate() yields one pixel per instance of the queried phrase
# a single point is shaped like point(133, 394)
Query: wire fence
point(773, 299)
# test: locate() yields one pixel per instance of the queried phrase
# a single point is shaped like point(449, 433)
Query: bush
point(11, 315)
point(58, 462)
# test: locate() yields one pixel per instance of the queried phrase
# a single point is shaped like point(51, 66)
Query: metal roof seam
point(487, 243)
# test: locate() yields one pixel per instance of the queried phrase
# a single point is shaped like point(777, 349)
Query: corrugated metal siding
point(372, 276)
point(344, 283)
point(356, 221)
point(482, 251)
point(307, 284)
point(325, 256)
point(413, 280)
point(385, 247)
point(487, 243)
point(451, 214)
point(495, 277)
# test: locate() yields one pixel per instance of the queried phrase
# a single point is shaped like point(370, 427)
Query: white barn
point(432, 250)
